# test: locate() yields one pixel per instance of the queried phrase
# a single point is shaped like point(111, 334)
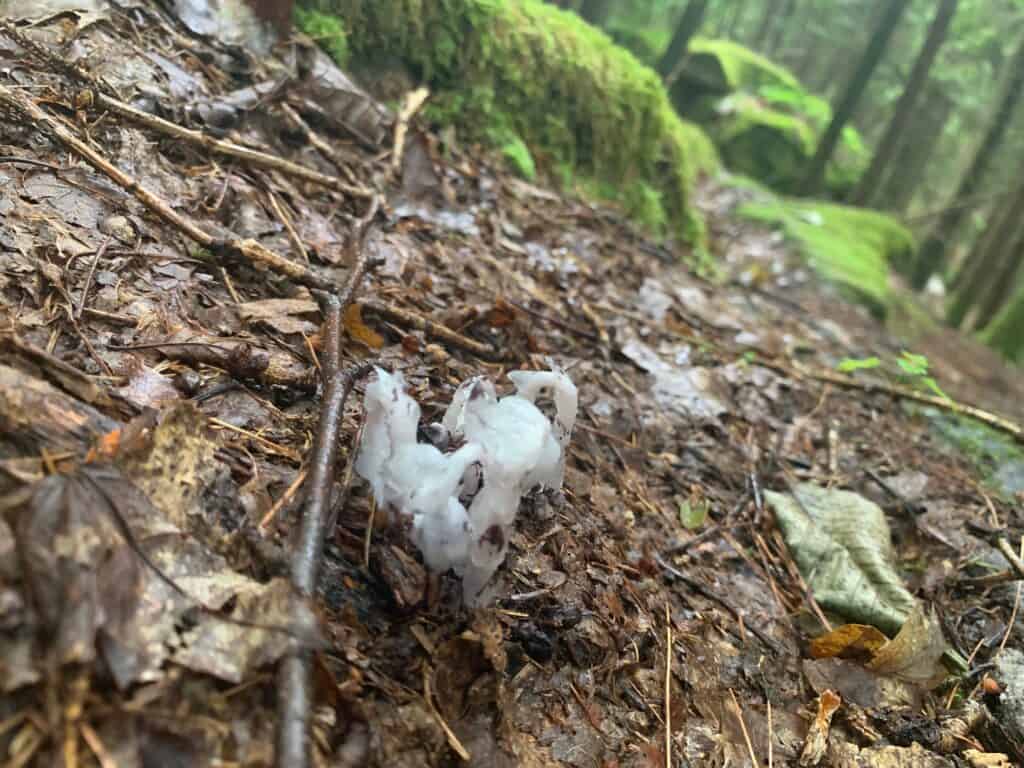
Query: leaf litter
point(137, 582)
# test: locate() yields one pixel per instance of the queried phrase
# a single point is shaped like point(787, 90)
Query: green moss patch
point(326, 30)
point(525, 74)
point(851, 247)
point(765, 124)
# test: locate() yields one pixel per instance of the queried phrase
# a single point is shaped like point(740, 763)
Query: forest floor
point(159, 401)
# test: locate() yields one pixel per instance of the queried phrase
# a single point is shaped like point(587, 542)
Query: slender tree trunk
point(688, 25)
point(915, 150)
point(596, 11)
point(781, 28)
point(809, 60)
point(740, 7)
point(1006, 331)
point(976, 275)
point(889, 143)
point(887, 22)
point(933, 253)
point(1003, 283)
point(764, 26)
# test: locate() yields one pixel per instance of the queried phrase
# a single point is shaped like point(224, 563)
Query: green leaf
point(693, 516)
point(913, 365)
point(841, 544)
point(851, 364)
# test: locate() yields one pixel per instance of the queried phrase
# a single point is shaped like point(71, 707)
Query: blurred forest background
point(883, 137)
point(921, 95)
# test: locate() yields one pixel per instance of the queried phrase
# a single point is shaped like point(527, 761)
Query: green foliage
point(515, 151)
point(729, 66)
point(327, 30)
point(909, 369)
point(849, 246)
point(763, 121)
point(525, 74)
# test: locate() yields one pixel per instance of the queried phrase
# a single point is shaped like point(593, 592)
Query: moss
point(515, 151)
point(730, 66)
point(851, 247)
point(584, 107)
point(763, 121)
point(325, 29)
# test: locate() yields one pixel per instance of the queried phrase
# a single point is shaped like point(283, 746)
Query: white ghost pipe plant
point(509, 447)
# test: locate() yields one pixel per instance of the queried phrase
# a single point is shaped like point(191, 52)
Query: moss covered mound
point(525, 75)
point(851, 247)
point(763, 121)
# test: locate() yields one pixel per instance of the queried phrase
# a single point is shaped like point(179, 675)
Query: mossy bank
point(552, 94)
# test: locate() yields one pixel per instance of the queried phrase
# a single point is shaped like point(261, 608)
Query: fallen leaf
point(360, 331)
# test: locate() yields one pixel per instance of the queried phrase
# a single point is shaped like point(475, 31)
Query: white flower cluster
point(463, 504)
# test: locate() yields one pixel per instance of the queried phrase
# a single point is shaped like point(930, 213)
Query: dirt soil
point(159, 399)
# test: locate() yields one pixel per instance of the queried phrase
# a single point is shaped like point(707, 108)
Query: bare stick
point(409, 319)
point(316, 141)
point(104, 98)
point(668, 688)
point(248, 249)
point(294, 702)
point(413, 101)
point(88, 278)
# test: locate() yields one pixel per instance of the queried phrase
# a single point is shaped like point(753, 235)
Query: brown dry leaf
point(176, 464)
point(279, 314)
point(915, 653)
point(360, 331)
point(816, 743)
point(850, 641)
point(146, 388)
point(502, 314)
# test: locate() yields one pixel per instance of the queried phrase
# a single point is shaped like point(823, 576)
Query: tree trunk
point(974, 280)
point(933, 252)
point(887, 146)
point(739, 8)
point(781, 28)
point(887, 22)
point(764, 26)
point(1003, 283)
point(596, 11)
point(685, 30)
point(1006, 331)
point(809, 61)
point(904, 179)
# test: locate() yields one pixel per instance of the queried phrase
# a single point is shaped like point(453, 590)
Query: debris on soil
point(192, 571)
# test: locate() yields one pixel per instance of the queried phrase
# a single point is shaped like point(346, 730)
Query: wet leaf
point(914, 654)
point(841, 544)
point(693, 514)
point(360, 331)
point(850, 641)
point(280, 314)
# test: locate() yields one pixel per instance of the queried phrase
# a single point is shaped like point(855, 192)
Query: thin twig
point(286, 498)
point(408, 319)
point(993, 420)
point(1012, 557)
point(743, 728)
point(668, 688)
point(294, 702)
point(320, 144)
point(105, 97)
point(453, 740)
point(88, 278)
point(722, 601)
point(248, 249)
point(410, 106)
